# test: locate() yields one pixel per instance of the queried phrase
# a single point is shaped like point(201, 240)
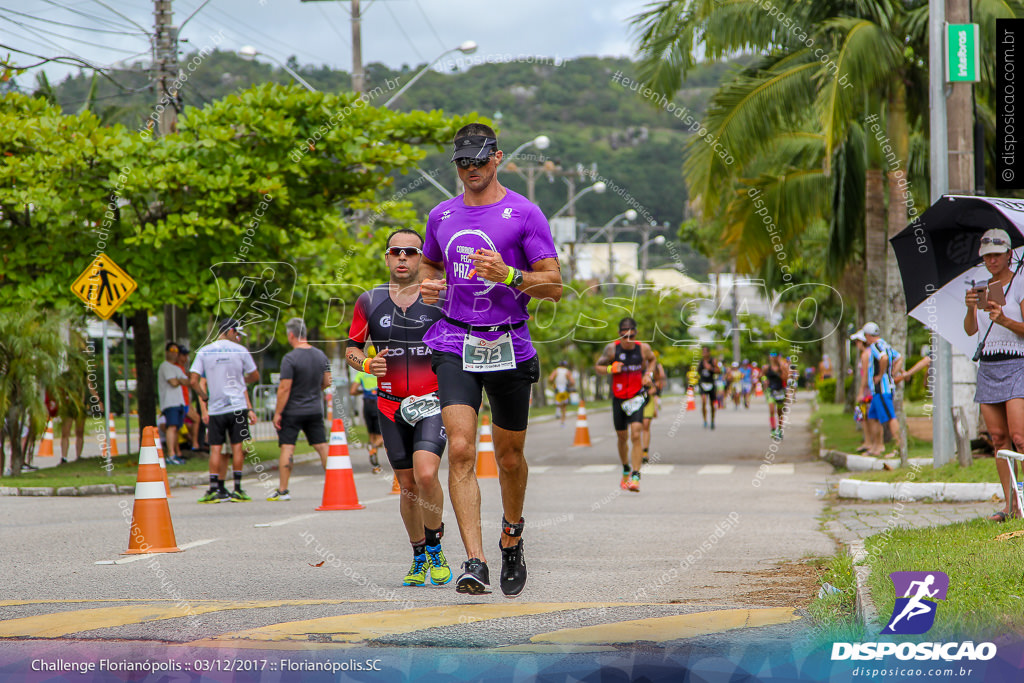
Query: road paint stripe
point(539, 469)
point(353, 628)
point(664, 629)
point(60, 624)
point(289, 520)
point(782, 468)
point(716, 469)
point(597, 469)
point(657, 469)
point(136, 558)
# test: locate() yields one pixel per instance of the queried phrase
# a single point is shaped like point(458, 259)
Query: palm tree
point(32, 355)
point(857, 58)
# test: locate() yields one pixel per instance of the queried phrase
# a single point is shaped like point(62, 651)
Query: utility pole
point(165, 67)
point(960, 144)
point(358, 75)
point(165, 71)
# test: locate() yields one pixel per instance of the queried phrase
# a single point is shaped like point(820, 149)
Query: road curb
point(918, 491)
point(867, 613)
point(183, 480)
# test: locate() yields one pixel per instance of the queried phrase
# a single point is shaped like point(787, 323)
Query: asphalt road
point(694, 557)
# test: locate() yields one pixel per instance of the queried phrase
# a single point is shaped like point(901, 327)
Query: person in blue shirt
point(882, 385)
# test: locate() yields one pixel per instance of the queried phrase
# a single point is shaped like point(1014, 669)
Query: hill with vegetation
point(595, 123)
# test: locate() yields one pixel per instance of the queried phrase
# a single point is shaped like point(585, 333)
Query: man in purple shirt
point(490, 250)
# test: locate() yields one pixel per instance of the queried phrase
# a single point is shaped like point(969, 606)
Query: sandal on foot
point(998, 516)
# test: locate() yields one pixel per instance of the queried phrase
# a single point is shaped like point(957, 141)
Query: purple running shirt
point(514, 228)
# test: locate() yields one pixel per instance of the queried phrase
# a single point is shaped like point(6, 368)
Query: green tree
point(273, 174)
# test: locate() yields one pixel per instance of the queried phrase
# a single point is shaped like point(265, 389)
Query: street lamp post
point(659, 240)
point(628, 214)
point(249, 52)
point(541, 142)
point(466, 48)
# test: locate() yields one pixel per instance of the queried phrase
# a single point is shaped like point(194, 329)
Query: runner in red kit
point(394, 317)
point(631, 365)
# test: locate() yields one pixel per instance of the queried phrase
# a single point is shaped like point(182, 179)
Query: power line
point(128, 19)
point(434, 30)
point(74, 61)
point(61, 23)
point(341, 36)
point(61, 35)
point(194, 12)
point(407, 38)
point(87, 15)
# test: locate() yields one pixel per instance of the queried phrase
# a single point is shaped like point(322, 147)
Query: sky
point(394, 32)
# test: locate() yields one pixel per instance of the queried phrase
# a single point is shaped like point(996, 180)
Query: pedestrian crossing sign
point(103, 286)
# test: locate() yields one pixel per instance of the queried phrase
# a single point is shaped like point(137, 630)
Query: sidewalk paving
point(858, 520)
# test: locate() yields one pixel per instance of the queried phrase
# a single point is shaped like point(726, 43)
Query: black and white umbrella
point(938, 259)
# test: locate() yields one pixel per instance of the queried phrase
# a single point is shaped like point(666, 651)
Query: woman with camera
point(1000, 388)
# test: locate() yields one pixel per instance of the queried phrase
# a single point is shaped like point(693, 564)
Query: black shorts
point(712, 392)
point(372, 415)
point(619, 417)
point(233, 426)
point(507, 390)
point(401, 439)
point(312, 425)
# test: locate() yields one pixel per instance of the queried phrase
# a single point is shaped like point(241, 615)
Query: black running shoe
point(475, 579)
point(513, 570)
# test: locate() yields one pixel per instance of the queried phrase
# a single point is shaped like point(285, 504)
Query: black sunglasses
point(403, 251)
point(628, 334)
point(998, 241)
point(473, 163)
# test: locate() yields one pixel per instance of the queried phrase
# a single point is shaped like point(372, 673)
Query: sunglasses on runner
point(627, 334)
point(403, 251)
point(998, 241)
point(473, 163)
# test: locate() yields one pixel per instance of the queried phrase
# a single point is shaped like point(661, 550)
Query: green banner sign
point(962, 55)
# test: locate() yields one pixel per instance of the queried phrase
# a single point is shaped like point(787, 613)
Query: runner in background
point(776, 378)
point(366, 384)
point(651, 407)
point(708, 370)
point(563, 383)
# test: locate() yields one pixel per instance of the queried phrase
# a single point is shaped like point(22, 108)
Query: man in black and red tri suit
point(631, 365)
point(394, 318)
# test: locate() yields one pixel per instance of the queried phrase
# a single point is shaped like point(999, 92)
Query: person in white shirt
point(170, 380)
point(561, 378)
point(227, 367)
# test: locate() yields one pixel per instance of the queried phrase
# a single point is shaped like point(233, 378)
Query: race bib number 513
point(482, 355)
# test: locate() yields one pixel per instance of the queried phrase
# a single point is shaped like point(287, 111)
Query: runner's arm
point(284, 390)
point(649, 363)
point(607, 356)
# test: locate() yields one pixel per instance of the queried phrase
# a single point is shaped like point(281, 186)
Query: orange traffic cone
point(582, 437)
point(113, 436)
point(46, 444)
point(151, 530)
point(330, 405)
point(396, 487)
point(486, 463)
point(339, 484)
point(691, 404)
point(758, 391)
point(160, 454)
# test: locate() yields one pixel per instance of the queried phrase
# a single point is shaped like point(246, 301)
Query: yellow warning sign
point(103, 286)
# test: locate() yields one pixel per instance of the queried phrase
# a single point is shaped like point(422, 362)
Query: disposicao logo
point(914, 612)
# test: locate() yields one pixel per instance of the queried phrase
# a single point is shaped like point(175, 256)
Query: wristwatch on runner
point(517, 278)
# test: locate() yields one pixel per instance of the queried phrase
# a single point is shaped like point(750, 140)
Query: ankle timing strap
point(510, 529)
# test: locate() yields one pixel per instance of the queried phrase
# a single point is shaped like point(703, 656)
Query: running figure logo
point(914, 612)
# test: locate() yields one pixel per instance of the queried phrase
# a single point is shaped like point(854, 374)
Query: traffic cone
point(691, 403)
point(113, 436)
point(160, 454)
point(46, 445)
point(396, 487)
point(339, 484)
point(486, 462)
point(151, 530)
point(582, 437)
point(758, 391)
point(330, 405)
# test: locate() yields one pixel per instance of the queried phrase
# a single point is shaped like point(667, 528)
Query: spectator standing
point(305, 373)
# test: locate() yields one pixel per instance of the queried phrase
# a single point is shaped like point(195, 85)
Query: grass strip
point(986, 576)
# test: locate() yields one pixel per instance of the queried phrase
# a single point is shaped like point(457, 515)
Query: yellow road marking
point(60, 624)
point(662, 629)
point(352, 628)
